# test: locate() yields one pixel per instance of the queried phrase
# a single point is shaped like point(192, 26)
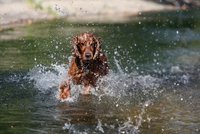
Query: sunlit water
point(152, 87)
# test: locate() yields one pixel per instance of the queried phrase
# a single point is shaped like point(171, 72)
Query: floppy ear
point(98, 47)
point(75, 46)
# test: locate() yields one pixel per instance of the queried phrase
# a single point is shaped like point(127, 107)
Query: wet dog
point(87, 65)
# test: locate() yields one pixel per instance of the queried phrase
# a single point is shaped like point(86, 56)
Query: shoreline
point(25, 12)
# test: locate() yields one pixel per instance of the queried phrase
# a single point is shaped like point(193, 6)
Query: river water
point(152, 87)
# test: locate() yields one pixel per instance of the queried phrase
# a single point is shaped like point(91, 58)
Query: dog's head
point(86, 46)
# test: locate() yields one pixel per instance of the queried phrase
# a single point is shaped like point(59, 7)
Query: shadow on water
point(153, 84)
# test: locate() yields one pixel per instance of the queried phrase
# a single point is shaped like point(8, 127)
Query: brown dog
point(87, 65)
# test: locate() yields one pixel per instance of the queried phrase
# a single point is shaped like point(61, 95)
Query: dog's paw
point(64, 90)
point(87, 90)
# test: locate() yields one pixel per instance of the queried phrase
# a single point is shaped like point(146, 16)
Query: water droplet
point(147, 104)
point(99, 126)
point(66, 126)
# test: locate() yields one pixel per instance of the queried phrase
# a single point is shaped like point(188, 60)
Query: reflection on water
point(153, 84)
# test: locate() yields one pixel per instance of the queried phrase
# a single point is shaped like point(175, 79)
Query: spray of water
point(114, 84)
point(118, 84)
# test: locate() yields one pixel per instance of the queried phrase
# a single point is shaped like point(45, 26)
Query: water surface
point(153, 84)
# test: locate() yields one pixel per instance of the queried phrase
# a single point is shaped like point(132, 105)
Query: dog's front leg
point(64, 90)
point(87, 89)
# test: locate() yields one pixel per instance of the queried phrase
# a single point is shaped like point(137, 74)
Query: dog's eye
point(81, 44)
point(93, 44)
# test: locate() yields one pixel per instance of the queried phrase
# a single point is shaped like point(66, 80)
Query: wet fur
point(82, 71)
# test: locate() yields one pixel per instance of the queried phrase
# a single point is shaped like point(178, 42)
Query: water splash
point(129, 127)
point(67, 126)
point(118, 66)
point(46, 78)
point(140, 117)
point(119, 85)
point(99, 126)
point(118, 89)
point(114, 84)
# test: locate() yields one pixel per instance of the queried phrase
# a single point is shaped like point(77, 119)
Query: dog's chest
point(91, 73)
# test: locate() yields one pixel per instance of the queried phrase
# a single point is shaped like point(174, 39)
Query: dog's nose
point(88, 55)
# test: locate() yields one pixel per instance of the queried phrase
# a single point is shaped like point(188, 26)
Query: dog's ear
point(75, 46)
point(98, 47)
